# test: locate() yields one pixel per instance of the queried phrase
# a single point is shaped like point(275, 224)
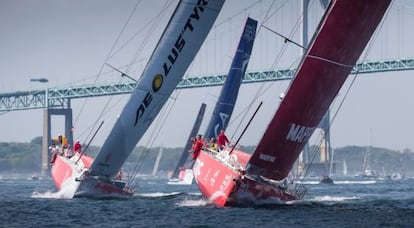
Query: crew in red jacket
point(77, 147)
point(197, 146)
point(222, 140)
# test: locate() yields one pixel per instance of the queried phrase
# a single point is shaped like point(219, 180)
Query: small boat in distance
point(176, 49)
point(35, 176)
point(325, 179)
point(183, 174)
point(233, 177)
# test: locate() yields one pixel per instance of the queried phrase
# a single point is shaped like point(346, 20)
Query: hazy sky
point(68, 41)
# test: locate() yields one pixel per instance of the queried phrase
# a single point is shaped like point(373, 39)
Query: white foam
point(158, 194)
point(334, 198)
point(193, 203)
point(356, 182)
point(69, 187)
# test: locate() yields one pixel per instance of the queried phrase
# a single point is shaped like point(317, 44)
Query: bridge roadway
point(60, 97)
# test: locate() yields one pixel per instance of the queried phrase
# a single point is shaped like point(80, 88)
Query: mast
point(333, 51)
point(228, 95)
point(185, 154)
point(180, 42)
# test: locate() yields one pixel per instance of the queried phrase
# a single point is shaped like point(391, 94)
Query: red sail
point(336, 46)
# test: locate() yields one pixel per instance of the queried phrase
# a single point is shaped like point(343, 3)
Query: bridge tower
point(47, 123)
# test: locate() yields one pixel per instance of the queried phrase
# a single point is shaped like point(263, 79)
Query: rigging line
point(139, 32)
point(368, 49)
point(93, 124)
point(313, 152)
point(107, 58)
point(286, 38)
point(148, 35)
point(142, 157)
point(247, 126)
point(90, 141)
point(294, 30)
point(122, 73)
point(267, 16)
point(236, 14)
point(260, 92)
point(153, 136)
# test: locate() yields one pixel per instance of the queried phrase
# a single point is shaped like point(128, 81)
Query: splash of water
point(69, 187)
point(193, 203)
point(158, 194)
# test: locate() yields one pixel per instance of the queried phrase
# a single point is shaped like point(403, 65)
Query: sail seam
point(331, 61)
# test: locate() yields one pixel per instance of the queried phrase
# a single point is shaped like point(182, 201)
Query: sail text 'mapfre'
point(299, 133)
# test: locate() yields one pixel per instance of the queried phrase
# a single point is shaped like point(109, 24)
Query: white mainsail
point(180, 42)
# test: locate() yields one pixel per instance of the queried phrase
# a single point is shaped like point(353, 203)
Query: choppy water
point(347, 203)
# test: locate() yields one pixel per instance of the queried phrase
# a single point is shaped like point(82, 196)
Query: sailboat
point(182, 174)
point(227, 99)
point(239, 178)
point(326, 179)
point(180, 42)
point(157, 162)
point(367, 171)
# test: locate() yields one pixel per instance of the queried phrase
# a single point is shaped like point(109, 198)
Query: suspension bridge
point(57, 100)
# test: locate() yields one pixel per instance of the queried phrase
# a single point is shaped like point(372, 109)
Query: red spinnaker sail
point(336, 46)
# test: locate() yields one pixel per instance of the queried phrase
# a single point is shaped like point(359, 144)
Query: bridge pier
point(47, 114)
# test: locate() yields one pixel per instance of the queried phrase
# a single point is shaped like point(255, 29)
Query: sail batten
point(181, 40)
point(324, 68)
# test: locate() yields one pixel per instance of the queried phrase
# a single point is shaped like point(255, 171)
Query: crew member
point(62, 140)
point(197, 146)
point(77, 147)
point(222, 140)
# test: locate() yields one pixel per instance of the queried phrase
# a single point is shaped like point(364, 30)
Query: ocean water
point(348, 203)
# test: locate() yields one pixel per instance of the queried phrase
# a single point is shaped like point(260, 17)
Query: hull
point(326, 180)
point(69, 176)
point(185, 177)
point(221, 179)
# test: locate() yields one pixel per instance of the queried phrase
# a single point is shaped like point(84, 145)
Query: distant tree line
point(26, 157)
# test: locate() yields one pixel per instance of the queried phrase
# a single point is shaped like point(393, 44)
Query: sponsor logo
point(142, 107)
point(267, 157)
point(221, 125)
point(197, 167)
point(171, 59)
point(225, 183)
point(299, 133)
point(157, 82)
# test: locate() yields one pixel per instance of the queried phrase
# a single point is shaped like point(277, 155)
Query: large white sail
point(181, 40)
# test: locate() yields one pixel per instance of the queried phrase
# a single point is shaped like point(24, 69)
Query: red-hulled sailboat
point(233, 177)
point(227, 99)
point(187, 29)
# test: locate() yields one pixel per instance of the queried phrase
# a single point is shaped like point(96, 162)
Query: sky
point(69, 41)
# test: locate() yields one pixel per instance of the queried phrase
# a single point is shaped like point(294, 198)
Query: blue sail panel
point(228, 95)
